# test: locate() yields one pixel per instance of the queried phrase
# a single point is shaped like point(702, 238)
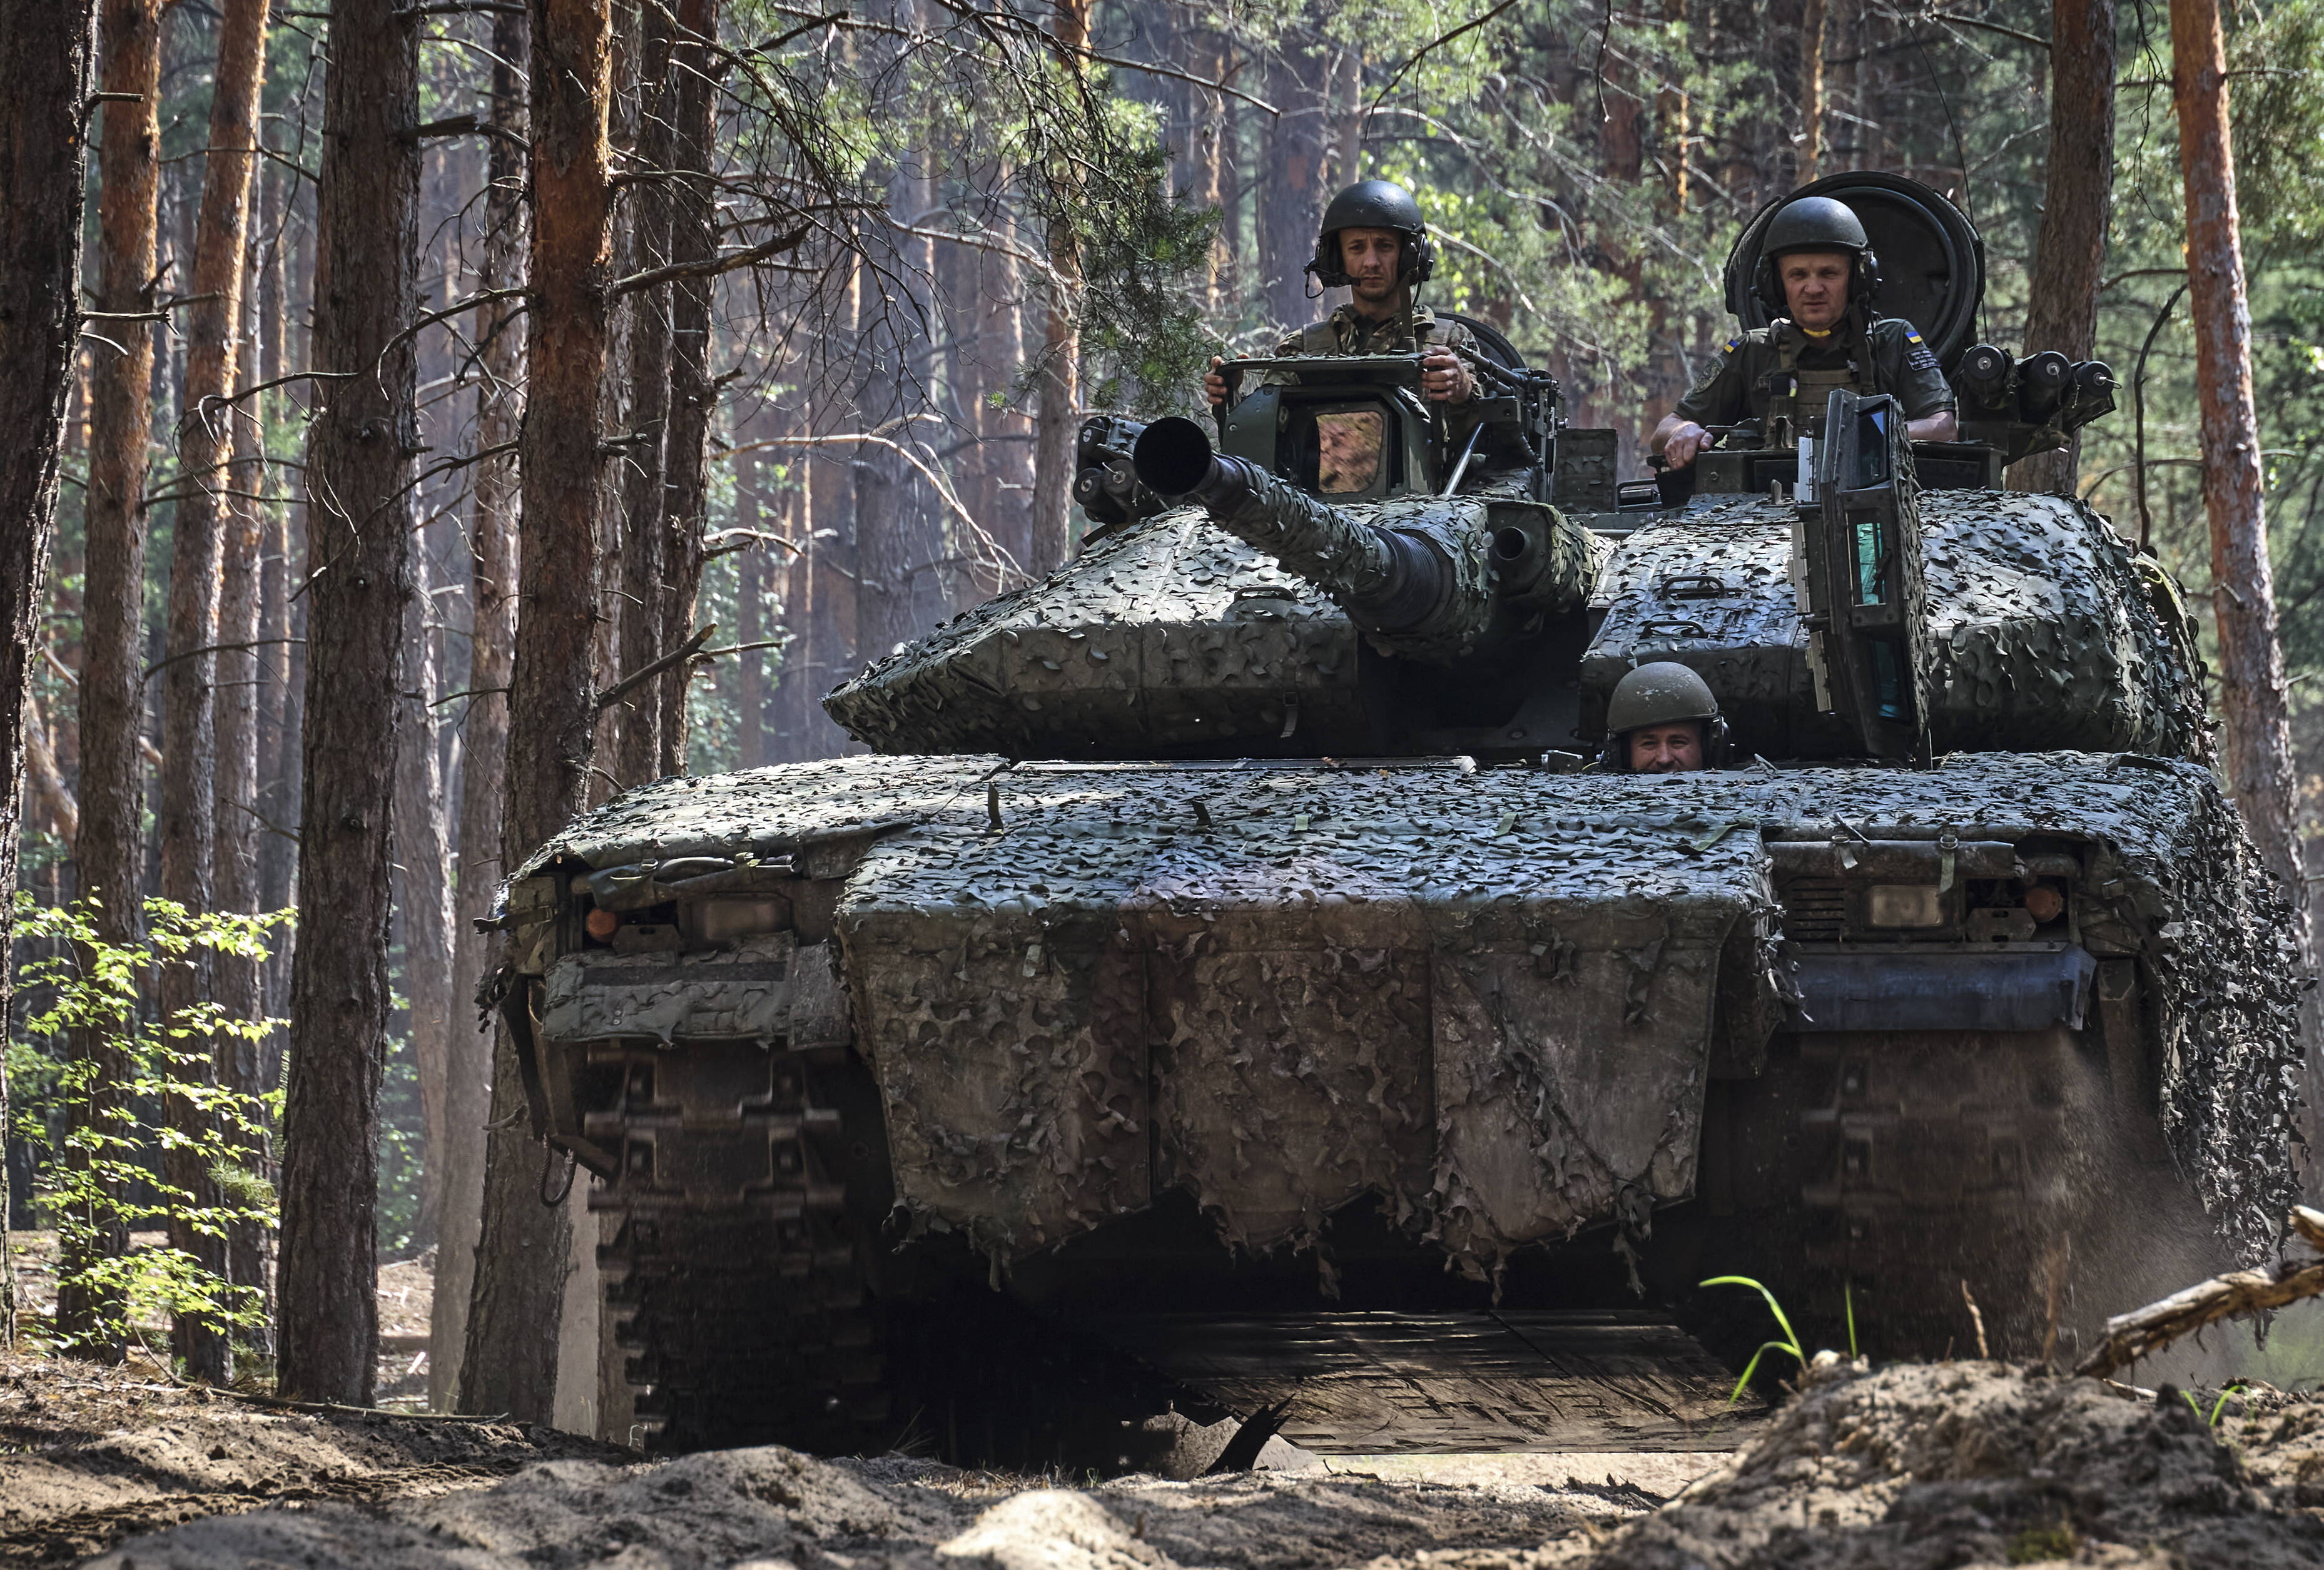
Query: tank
point(1227, 980)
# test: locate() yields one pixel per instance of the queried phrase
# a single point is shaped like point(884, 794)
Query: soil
point(1914, 1468)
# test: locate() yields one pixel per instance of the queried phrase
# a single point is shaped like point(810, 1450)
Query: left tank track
point(737, 1270)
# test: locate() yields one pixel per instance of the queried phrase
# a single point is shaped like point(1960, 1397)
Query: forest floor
point(1919, 1466)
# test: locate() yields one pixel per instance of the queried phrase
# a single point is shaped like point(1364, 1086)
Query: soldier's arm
point(1716, 399)
point(1919, 383)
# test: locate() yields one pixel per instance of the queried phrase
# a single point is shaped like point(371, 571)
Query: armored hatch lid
point(1932, 258)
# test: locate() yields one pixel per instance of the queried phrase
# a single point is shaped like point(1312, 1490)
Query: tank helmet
point(1374, 204)
point(1816, 224)
point(1663, 693)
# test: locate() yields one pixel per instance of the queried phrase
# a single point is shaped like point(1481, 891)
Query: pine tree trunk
point(2243, 599)
point(1057, 415)
point(492, 645)
point(2069, 252)
point(423, 891)
point(511, 1364)
point(644, 637)
point(112, 710)
point(46, 70)
point(693, 399)
point(358, 518)
point(189, 718)
point(238, 1064)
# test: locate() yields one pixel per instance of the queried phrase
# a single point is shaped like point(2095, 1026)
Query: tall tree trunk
point(189, 718)
point(686, 448)
point(1813, 20)
point(112, 713)
point(359, 524)
point(511, 1364)
point(1057, 419)
point(2069, 252)
point(278, 764)
point(638, 756)
point(239, 1062)
point(1298, 183)
point(492, 646)
point(46, 57)
point(752, 510)
point(423, 890)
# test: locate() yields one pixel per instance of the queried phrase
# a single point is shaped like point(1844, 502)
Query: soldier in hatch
point(1375, 242)
point(1662, 719)
point(1817, 276)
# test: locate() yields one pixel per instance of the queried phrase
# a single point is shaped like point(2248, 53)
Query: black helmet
point(1817, 223)
point(1660, 694)
point(1373, 204)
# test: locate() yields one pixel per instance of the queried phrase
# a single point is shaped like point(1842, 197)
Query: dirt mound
point(1935, 1466)
point(1916, 1467)
point(770, 1506)
point(89, 1454)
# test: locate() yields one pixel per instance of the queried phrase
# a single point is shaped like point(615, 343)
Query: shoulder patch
point(1912, 335)
point(1732, 345)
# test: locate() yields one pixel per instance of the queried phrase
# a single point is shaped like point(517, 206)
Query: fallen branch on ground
point(2131, 1336)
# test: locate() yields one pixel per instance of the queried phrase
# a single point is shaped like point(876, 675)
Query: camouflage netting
point(1172, 637)
point(2046, 629)
point(1328, 962)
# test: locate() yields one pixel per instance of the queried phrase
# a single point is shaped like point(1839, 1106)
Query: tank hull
point(1362, 1026)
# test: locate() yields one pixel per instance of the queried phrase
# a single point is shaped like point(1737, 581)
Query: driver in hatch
point(1662, 719)
point(1817, 276)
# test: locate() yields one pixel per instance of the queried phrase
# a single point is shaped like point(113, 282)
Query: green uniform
point(1407, 332)
point(1780, 371)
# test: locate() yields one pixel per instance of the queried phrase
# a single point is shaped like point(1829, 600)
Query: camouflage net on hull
point(1490, 997)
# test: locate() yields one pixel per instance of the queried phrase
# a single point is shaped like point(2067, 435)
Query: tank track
point(737, 1301)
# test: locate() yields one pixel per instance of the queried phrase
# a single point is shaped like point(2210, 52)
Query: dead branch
point(2236, 1294)
point(645, 673)
point(711, 266)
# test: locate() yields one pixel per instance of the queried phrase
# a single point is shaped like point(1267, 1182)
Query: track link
point(737, 1303)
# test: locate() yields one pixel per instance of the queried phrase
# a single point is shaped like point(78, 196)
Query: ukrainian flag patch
point(1912, 335)
point(1731, 345)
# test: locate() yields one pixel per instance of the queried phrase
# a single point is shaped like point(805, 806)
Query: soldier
point(1374, 241)
point(1817, 276)
point(1662, 719)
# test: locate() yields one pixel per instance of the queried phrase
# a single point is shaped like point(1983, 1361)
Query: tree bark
point(1057, 415)
point(2069, 251)
point(240, 1064)
point(751, 577)
point(423, 893)
point(189, 719)
point(511, 1364)
point(643, 636)
point(46, 58)
point(693, 397)
point(358, 518)
point(112, 708)
point(2251, 662)
point(1814, 20)
point(492, 646)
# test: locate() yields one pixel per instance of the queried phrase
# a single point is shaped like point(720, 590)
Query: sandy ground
point(1914, 1468)
point(1918, 1467)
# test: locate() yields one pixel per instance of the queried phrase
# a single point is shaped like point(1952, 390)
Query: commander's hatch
point(1856, 565)
point(1931, 260)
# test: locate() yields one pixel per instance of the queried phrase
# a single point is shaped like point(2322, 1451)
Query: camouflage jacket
point(1748, 378)
point(1407, 332)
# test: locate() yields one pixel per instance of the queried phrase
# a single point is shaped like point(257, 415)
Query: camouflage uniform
point(1749, 378)
point(1407, 332)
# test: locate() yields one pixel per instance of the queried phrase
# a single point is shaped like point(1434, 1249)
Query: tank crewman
point(1662, 719)
point(1374, 242)
point(1817, 276)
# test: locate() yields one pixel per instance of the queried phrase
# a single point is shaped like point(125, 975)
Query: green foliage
point(1789, 1343)
point(105, 1177)
point(2040, 1545)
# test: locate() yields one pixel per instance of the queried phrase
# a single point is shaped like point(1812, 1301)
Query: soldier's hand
point(1445, 378)
point(1214, 386)
point(1680, 448)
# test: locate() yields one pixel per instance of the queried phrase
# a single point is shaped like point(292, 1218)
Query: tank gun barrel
point(1390, 580)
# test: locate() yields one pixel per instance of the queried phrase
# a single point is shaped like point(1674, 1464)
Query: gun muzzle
point(1387, 578)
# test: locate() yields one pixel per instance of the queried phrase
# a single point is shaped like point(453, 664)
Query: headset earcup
point(1423, 263)
point(1866, 274)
